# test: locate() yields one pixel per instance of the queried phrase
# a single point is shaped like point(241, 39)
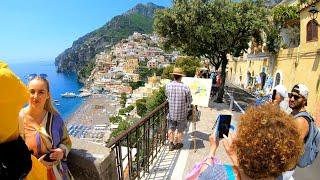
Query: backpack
point(15, 159)
point(312, 143)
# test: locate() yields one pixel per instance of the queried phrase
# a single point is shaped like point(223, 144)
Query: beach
point(94, 110)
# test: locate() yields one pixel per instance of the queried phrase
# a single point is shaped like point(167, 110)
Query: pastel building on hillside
point(131, 65)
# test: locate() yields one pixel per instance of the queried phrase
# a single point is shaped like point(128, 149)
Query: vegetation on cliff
point(83, 50)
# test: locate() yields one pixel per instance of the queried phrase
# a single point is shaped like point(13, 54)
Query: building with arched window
point(289, 66)
point(312, 31)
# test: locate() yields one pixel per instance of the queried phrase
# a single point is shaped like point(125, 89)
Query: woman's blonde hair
point(48, 104)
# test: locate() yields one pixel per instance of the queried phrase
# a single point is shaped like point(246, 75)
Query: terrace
point(141, 151)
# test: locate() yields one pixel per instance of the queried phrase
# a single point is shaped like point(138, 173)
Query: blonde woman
point(43, 129)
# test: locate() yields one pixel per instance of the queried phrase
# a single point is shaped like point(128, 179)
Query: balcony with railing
point(141, 151)
point(137, 148)
point(128, 156)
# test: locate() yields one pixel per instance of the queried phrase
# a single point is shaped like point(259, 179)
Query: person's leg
point(179, 138)
point(181, 125)
point(171, 135)
point(172, 127)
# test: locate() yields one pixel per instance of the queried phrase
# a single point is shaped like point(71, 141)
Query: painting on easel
point(200, 90)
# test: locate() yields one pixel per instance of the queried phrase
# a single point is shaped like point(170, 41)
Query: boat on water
point(69, 95)
point(85, 94)
point(57, 104)
point(55, 100)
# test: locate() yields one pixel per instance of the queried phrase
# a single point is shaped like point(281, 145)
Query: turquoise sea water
point(59, 83)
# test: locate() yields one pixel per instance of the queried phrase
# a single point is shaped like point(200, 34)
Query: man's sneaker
point(179, 146)
point(171, 146)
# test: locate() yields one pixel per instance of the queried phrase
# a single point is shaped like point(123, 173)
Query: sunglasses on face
point(32, 76)
point(296, 97)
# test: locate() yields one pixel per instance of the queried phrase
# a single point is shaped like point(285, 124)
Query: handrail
point(136, 148)
point(135, 125)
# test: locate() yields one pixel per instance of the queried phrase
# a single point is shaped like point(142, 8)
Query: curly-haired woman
point(266, 144)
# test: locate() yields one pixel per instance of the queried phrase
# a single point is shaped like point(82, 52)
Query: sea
point(59, 83)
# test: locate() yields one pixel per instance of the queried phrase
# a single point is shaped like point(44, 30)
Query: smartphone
point(47, 158)
point(274, 93)
point(223, 122)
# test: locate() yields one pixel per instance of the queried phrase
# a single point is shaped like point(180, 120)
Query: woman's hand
point(47, 164)
point(214, 143)
point(227, 143)
point(57, 154)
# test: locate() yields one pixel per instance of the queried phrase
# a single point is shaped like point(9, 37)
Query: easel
point(194, 126)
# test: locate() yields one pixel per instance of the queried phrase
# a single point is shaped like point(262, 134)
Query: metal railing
point(138, 146)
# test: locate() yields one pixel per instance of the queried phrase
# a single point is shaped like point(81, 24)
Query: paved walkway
point(176, 164)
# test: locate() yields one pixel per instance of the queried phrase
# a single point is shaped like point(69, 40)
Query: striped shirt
point(179, 98)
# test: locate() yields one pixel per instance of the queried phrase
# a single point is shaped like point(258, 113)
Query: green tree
point(123, 99)
point(141, 107)
point(211, 28)
point(136, 85)
point(144, 72)
point(156, 99)
point(130, 108)
point(115, 119)
point(123, 125)
point(166, 72)
point(122, 111)
point(188, 64)
point(282, 14)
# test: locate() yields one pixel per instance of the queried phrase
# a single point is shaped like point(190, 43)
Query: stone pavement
point(176, 164)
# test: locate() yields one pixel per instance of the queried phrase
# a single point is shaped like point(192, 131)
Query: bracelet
point(214, 159)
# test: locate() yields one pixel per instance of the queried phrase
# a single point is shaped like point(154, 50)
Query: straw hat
point(178, 71)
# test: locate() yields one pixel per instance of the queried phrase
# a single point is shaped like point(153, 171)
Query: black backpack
point(15, 160)
point(311, 144)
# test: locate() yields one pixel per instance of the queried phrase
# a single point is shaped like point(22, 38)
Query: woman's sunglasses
point(296, 97)
point(32, 76)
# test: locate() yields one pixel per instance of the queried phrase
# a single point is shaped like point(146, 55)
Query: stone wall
point(91, 161)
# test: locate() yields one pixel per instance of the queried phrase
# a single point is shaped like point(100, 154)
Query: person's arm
point(189, 96)
point(302, 126)
point(214, 143)
point(227, 143)
point(64, 147)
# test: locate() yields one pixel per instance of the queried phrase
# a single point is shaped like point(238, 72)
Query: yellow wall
point(131, 65)
point(237, 69)
point(296, 65)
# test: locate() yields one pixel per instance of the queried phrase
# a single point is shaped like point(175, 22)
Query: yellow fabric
point(38, 171)
point(13, 95)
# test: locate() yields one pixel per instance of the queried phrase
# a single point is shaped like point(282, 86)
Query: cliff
point(79, 58)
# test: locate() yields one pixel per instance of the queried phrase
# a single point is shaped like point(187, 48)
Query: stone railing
point(91, 161)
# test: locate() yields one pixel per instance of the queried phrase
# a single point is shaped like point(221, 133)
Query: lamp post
point(313, 12)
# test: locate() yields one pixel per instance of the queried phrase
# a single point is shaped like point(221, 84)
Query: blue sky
point(40, 30)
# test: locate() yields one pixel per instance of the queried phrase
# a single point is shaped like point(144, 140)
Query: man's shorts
point(179, 125)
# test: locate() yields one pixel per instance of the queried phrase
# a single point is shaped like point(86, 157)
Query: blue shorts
point(179, 125)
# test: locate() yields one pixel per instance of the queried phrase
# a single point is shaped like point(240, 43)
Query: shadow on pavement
point(199, 138)
point(164, 164)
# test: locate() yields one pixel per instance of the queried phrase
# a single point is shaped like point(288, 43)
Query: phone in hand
point(274, 93)
point(223, 122)
point(47, 158)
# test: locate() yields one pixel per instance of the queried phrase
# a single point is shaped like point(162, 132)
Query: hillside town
point(110, 78)
point(115, 69)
